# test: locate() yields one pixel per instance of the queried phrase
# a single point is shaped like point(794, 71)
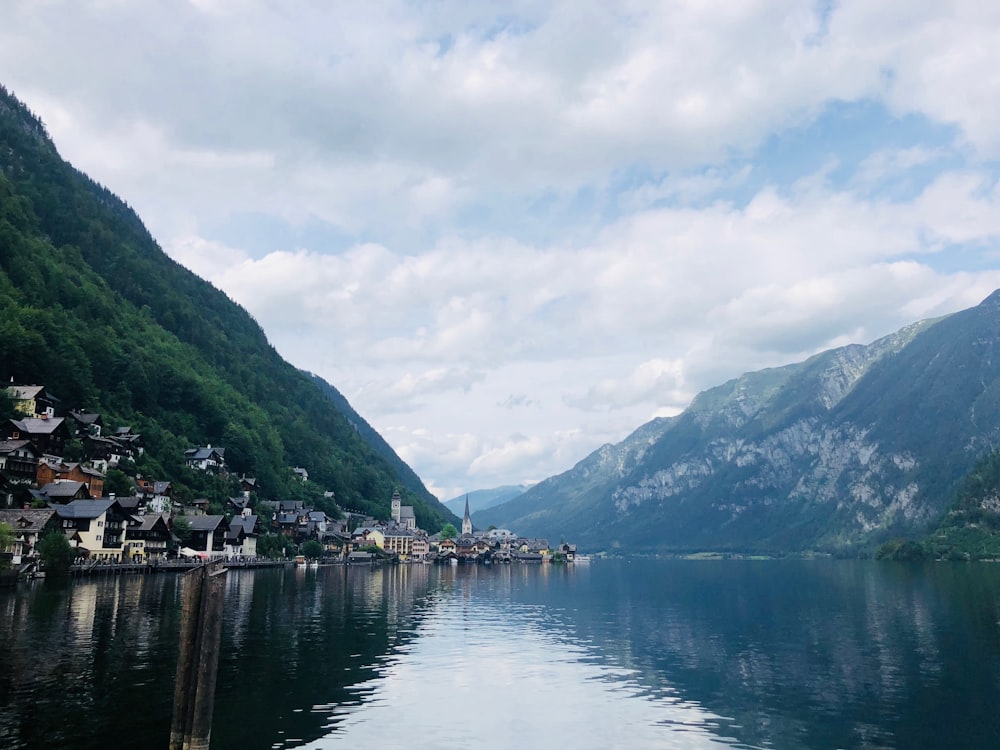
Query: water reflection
point(84, 661)
point(807, 654)
point(485, 666)
point(645, 654)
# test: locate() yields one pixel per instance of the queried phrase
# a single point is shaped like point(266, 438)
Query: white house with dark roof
point(241, 539)
point(86, 423)
point(208, 534)
point(97, 526)
point(157, 495)
point(206, 458)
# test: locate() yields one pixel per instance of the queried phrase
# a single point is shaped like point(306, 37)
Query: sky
point(510, 233)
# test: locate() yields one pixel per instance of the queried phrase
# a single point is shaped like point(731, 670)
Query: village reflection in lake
point(618, 653)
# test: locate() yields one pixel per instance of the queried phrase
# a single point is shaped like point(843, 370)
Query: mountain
point(842, 451)
point(406, 476)
point(971, 528)
point(483, 499)
point(92, 308)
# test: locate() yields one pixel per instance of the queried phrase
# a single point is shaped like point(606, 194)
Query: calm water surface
point(615, 654)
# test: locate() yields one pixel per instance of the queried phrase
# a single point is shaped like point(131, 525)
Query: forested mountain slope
point(93, 309)
point(838, 452)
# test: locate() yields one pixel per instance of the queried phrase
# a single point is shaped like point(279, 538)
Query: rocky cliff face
point(841, 450)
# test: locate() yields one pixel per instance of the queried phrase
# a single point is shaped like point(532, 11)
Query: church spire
point(467, 520)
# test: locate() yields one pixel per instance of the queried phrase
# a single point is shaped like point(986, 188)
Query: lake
point(614, 654)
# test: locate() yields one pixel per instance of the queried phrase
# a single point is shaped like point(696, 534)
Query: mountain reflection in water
point(686, 654)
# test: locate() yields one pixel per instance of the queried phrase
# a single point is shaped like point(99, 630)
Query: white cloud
point(549, 222)
point(663, 304)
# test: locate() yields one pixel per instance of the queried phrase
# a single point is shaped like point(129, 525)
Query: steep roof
point(129, 504)
point(25, 392)
point(149, 521)
point(36, 426)
point(62, 488)
point(205, 523)
point(9, 446)
point(87, 418)
point(244, 524)
point(249, 523)
point(27, 520)
point(204, 453)
point(84, 508)
point(397, 531)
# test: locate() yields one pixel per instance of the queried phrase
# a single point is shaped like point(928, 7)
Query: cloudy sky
point(512, 232)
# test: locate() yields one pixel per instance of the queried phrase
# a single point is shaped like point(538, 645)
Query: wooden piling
point(198, 657)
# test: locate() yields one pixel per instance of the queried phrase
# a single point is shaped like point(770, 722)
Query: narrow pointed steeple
point(467, 520)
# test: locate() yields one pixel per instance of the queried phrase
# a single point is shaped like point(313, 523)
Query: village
point(42, 491)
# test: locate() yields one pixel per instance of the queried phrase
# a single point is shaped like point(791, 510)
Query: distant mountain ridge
point(483, 499)
point(834, 453)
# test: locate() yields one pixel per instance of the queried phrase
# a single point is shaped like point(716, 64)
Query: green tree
point(7, 410)
point(117, 482)
point(74, 450)
point(6, 541)
point(182, 529)
point(312, 549)
point(56, 553)
point(275, 545)
point(269, 545)
point(448, 531)
point(901, 550)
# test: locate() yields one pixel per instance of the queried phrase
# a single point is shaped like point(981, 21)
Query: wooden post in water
point(198, 657)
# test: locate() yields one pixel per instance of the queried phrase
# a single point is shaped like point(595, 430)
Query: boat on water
point(581, 559)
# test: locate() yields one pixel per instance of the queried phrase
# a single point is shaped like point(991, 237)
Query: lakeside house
point(29, 525)
point(68, 495)
point(95, 526)
point(147, 538)
point(241, 537)
point(208, 534)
